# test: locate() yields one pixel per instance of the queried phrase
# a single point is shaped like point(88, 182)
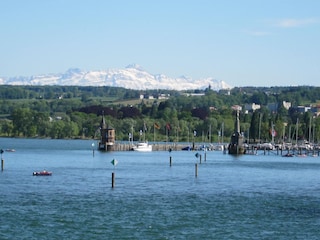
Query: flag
point(273, 132)
point(156, 125)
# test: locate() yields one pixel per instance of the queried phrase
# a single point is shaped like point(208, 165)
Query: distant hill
point(131, 77)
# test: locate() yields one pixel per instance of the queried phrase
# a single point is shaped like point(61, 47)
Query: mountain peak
point(135, 66)
point(134, 77)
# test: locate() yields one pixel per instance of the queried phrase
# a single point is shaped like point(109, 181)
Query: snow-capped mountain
point(131, 77)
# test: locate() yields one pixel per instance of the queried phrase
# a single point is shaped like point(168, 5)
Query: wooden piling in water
point(196, 170)
point(2, 164)
point(113, 180)
point(170, 161)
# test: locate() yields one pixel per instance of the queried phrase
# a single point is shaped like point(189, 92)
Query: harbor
point(252, 149)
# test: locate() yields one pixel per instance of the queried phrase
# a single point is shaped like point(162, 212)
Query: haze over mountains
point(131, 77)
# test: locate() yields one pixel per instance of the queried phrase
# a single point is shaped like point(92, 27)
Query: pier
point(298, 151)
point(252, 149)
point(155, 146)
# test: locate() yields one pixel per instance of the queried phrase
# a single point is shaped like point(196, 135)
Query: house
point(286, 105)
point(237, 107)
point(251, 107)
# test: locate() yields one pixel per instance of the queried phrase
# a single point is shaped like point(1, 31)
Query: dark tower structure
point(107, 136)
point(236, 145)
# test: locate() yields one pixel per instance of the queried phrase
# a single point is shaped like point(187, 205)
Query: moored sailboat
point(142, 146)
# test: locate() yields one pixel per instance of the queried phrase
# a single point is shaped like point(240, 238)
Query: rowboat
point(42, 173)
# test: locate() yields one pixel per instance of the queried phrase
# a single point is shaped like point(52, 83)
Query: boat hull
point(42, 173)
point(142, 147)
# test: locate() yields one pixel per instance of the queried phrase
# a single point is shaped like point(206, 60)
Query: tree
point(255, 125)
point(24, 122)
point(6, 127)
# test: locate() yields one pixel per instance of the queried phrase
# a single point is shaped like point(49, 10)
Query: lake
point(245, 197)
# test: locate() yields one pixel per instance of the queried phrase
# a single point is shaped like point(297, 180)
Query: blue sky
point(244, 43)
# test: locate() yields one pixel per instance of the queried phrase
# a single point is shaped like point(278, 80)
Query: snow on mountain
point(131, 77)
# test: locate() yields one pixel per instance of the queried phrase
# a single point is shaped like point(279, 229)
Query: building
point(107, 139)
point(251, 107)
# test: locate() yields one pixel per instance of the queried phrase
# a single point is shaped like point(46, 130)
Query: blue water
point(246, 197)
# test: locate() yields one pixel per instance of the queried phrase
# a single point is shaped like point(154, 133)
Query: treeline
point(73, 112)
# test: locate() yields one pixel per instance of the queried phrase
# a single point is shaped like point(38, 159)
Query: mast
point(297, 125)
point(260, 116)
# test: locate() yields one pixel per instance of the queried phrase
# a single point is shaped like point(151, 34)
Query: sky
point(244, 43)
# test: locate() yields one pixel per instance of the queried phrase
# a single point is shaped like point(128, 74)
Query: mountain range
point(130, 77)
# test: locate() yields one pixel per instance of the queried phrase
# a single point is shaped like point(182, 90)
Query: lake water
point(245, 197)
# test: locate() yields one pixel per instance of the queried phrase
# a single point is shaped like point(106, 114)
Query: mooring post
point(196, 170)
point(200, 158)
point(92, 149)
point(205, 156)
point(114, 162)
point(2, 161)
point(113, 180)
point(170, 159)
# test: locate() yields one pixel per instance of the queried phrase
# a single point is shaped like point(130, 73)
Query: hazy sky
point(243, 42)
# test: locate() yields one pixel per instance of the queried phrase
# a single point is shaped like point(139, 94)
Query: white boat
point(142, 147)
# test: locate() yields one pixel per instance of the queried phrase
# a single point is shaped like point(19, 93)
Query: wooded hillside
point(74, 112)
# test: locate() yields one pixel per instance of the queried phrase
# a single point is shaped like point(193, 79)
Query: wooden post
point(170, 161)
point(112, 180)
point(196, 170)
point(2, 161)
point(200, 158)
point(92, 149)
point(205, 156)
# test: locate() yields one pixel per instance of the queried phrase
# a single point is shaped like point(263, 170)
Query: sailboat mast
point(238, 122)
point(297, 131)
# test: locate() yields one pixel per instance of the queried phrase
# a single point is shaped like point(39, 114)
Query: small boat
point(142, 147)
point(10, 150)
point(42, 173)
point(188, 148)
point(288, 155)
